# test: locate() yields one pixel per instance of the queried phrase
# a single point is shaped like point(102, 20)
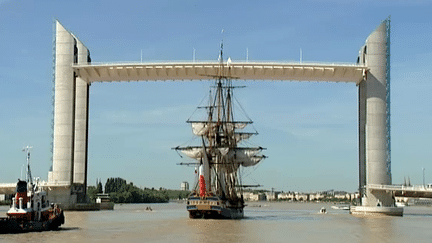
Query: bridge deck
point(9, 188)
point(207, 70)
point(404, 191)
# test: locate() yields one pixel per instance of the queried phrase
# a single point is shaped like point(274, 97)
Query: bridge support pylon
point(374, 125)
point(70, 130)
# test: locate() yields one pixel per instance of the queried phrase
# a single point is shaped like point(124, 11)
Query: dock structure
point(74, 74)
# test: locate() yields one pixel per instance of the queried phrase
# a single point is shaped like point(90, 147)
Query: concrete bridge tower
point(69, 170)
point(374, 124)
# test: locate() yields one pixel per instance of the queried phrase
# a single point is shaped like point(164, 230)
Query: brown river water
point(263, 222)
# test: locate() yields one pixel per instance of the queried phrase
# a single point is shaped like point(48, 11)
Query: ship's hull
point(10, 225)
point(225, 213)
point(213, 208)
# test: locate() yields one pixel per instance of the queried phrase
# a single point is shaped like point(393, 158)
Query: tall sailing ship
point(220, 155)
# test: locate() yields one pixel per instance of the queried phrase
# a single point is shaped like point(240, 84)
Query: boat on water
point(341, 207)
point(401, 204)
point(30, 209)
point(220, 156)
point(323, 210)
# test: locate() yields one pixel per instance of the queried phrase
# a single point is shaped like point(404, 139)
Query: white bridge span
point(258, 70)
point(415, 191)
point(9, 188)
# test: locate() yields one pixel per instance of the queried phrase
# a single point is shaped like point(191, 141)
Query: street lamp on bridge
point(424, 185)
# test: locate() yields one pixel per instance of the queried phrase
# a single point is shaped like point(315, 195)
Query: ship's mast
point(226, 170)
point(219, 178)
point(28, 176)
point(219, 156)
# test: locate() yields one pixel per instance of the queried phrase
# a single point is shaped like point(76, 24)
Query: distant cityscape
point(324, 196)
point(264, 195)
point(329, 195)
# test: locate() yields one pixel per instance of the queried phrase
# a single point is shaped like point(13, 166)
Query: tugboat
point(30, 209)
point(220, 156)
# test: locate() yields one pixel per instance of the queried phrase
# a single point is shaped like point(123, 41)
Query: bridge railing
point(236, 62)
point(400, 187)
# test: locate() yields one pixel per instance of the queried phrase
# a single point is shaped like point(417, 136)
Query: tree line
point(122, 192)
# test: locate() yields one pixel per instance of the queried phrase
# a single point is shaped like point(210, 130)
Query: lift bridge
point(74, 73)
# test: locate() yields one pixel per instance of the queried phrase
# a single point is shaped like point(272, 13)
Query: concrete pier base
point(60, 195)
point(376, 211)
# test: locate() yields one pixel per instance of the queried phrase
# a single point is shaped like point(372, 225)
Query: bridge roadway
point(9, 188)
point(172, 70)
point(418, 191)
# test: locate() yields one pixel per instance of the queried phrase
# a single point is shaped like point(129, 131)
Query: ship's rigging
point(220, 154)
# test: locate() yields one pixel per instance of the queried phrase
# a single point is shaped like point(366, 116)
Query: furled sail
point(245, 157)
point(249, 157)
point(202, 128)
point(194, 153)
point(224, 151)
point(242, 136)
point(253, 160)
point(238, 125)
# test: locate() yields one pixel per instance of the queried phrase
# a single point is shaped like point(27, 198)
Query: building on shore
point(298, 196)
point(272, 196)
point(184, 186)
point(316, 196)
point(294, 196)
point(253, 197)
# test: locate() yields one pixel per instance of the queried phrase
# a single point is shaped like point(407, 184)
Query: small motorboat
point(323, 210)
point(341, 207)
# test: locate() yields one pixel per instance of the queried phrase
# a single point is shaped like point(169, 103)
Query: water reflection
point(376, 229)
point(205, 230)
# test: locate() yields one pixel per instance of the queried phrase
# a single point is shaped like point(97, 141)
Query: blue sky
point(309, 128)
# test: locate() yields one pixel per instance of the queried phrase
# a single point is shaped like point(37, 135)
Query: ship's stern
point(212, 208)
